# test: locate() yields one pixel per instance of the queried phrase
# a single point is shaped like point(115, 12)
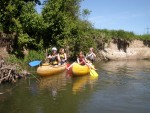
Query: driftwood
point(10, 72)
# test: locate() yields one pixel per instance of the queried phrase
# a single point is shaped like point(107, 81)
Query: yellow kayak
point(79, 70)
point(47, 70)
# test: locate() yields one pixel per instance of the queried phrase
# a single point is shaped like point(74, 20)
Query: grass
point(23, 62)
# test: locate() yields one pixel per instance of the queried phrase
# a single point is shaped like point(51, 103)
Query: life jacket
point(54, 60)
point(62, 56)
point(82, 60)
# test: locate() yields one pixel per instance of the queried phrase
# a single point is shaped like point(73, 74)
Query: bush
point(23, 62)
point(34, 55)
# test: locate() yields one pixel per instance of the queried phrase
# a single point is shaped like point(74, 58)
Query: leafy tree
point(60, 17)
point(10, 12)
point(32, 24)
point(60, 24)
point(85, 13)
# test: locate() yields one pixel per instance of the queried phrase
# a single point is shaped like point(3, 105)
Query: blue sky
point(128, 15)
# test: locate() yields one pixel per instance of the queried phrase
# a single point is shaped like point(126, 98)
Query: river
point(121, 87)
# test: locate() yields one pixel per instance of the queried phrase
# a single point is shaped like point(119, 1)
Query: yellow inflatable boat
point(79, 70)
point(47, 70)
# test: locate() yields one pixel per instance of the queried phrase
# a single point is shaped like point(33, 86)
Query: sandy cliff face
point(133, 50)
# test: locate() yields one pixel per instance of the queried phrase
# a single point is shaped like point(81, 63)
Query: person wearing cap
point(91, 55)
point(54, 58)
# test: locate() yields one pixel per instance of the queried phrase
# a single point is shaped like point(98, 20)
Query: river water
point(121, 87)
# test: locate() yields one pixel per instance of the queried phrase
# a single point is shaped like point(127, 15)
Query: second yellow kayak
point(79, 70)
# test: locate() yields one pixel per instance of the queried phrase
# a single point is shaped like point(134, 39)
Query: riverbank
point(114, 50)
point(10, 71)
point(131, 50)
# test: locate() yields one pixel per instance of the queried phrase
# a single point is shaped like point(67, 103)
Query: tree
point(60, 16)
point(33, 25)
point(10, 12)
point(85, 13)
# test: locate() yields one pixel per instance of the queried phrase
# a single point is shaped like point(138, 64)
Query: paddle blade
point(34, 63)
point(93, 73)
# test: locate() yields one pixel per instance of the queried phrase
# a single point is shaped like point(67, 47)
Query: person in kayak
point(62, 56)
point(54, 58)
point(81, 59)
point(91, 55)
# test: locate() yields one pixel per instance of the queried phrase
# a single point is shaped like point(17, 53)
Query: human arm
point(78, 60)
point(49, 56)
point(65, 56)
point(91, 54)
point(58, 58)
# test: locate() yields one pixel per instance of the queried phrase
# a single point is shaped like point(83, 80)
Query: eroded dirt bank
point(133, 50)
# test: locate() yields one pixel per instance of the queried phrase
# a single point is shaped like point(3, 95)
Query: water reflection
point(79, 83)
point(115, 66)
point(58, 82)
point(121, 87)
point(128, 68)
point(5, 91)
point(54, 83)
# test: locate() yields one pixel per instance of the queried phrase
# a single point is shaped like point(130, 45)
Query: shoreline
point(11, 72)
point(133, 50)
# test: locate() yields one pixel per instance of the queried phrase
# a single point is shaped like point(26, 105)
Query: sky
point(128, 15)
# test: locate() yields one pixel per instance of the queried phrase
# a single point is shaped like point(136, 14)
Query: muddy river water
point(121, 87)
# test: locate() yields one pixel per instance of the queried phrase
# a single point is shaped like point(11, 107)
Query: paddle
point(70, 66)
point(34, 63)
point(92, 71)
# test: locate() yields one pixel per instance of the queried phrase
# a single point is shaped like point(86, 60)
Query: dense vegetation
point(60, 24)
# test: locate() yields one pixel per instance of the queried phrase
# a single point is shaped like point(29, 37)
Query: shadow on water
point(122, 86)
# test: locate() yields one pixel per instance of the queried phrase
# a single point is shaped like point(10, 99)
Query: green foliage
point(24, 40)
point(13, 59)
point(35, 55)
point(1, 28)
point(144, 37)
point(33, 27)
point(31, 21)
point(59, 17)
point(10, 10)
point(59, 25)
point(20, 17)
point(23, 62)
point(85, 13)
point(120, 34)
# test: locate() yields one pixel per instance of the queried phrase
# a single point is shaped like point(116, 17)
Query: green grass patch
point(23, 62)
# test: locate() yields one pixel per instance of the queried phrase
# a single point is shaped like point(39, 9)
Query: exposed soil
point(133, 50)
